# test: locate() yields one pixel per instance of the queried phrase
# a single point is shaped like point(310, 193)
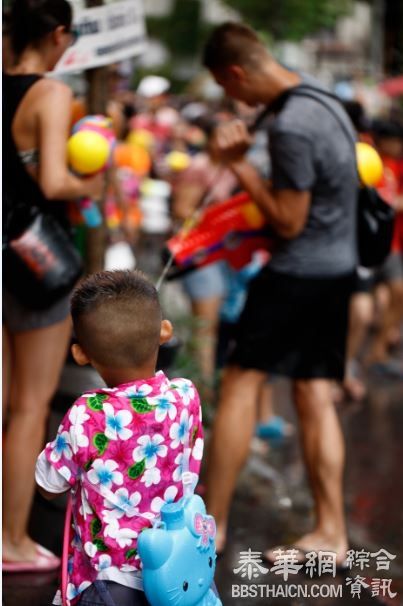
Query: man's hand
point(230, 141)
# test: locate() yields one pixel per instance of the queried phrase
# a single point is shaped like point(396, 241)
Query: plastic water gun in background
point(230, 230)
point(89, 151)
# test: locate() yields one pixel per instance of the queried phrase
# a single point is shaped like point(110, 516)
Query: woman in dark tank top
point(36, 119)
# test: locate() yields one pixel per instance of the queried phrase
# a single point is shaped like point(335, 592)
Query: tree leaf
point(100, 442)
point(96, 402)
point(88, 464)
point(141, 405)
point(130, 553)
point(100, 545)
point(137, 470)
point(95, 527)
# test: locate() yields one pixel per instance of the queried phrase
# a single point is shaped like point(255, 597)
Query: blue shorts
point(208, 282)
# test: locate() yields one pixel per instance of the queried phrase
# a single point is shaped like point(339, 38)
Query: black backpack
point(375, 219)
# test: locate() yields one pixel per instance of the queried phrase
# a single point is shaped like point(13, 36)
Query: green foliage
point(179, 31)
point(141, 405)
point(290, 19)
point(100, 442)
point(96, 402)
point(95, 527)
point(137, 470)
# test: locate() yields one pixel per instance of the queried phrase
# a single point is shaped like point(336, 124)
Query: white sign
point(107, 34)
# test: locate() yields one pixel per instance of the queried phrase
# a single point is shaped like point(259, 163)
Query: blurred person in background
point(36, 122)
point(388, 139)
point(361, 312)
point(206, 180)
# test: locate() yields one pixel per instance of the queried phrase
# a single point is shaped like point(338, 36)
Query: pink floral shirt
point(121, 450)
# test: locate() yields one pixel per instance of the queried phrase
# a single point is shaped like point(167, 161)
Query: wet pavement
point(272, 506)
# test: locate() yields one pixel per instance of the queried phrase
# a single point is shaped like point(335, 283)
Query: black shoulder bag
point(375, 218)
point(40, 263)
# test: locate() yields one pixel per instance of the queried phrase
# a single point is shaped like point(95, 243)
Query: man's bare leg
point(323, 448)
point(234, 426)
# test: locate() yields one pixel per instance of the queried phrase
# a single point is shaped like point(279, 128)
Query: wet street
point(273, 507)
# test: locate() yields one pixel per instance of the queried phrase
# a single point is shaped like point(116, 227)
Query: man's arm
point(286, 209)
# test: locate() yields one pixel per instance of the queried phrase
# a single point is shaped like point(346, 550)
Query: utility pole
point(378, 39)
point(97, 97)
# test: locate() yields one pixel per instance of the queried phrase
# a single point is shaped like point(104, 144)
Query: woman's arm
point(53, 119)
point(186, 198)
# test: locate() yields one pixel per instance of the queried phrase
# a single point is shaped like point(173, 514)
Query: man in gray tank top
point(295, 320)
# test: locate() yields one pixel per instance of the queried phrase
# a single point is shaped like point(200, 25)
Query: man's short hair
point(232, 44)
point(117, 318)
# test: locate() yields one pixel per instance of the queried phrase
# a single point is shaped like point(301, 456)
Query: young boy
point(119, 449)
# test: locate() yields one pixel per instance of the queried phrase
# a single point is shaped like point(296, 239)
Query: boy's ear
point(166, 331)
point(78, 354)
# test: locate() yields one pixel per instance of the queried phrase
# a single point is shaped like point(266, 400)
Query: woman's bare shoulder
point(49, 87)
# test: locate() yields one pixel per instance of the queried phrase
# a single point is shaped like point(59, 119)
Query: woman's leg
point(37, 362)
point(206, 313)
point(6, 362)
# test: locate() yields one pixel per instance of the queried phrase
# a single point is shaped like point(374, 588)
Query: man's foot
point(313, 541)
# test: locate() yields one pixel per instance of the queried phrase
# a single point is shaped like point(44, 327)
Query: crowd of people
point(306, 310)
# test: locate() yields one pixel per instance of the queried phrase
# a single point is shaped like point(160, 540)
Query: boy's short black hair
point(117, 318)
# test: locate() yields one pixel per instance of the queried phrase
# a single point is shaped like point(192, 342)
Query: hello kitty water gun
point(178, 554)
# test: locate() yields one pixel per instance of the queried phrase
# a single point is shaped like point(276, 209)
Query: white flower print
point(197, 452)
point(169, 497)
point(127, 568)
point(151, 476)
point(105, 561)
point(164, 406)
point(85, 508)
point(103, 473)
point(90, 549)
point(179, 432)
point(61, 447)
point(185, 389)
point(150, 447)
point(177, 474)
point(78, 439)
point(116, 423)
point(123, 536)
point(124, 504)
point(78, 414)
point(140, 391)
point(73, 591)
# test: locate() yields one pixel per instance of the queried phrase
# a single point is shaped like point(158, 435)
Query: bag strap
point(306, 90)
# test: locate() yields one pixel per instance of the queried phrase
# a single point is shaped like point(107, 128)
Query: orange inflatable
point(133, 156)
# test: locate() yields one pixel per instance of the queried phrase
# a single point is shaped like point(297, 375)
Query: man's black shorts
point(295, 326)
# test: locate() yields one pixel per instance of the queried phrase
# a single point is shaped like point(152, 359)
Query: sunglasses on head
point(74, 33)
